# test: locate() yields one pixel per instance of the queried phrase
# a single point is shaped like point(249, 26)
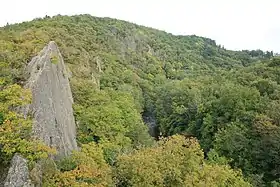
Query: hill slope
point(122, 72)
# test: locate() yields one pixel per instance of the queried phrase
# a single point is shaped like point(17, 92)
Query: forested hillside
point(214, 113)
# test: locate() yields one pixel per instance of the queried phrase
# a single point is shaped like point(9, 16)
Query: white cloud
point(236, 24)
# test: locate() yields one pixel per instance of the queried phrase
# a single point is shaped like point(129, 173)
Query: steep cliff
point(51, 109)
point(52, 101)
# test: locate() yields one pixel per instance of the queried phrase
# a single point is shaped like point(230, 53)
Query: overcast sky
point(236, 24)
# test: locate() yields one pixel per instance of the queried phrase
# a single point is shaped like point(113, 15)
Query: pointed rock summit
point(52, 101)
point(51, 109)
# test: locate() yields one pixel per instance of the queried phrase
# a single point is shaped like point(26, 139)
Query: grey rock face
point(18, 174)
point(52, 101)
point(51, 109)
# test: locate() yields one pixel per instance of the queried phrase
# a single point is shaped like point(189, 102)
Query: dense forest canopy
point(217, 111)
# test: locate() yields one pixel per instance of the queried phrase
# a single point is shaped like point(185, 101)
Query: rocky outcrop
point(18, 174)
point(51, 109)
point(52, 101)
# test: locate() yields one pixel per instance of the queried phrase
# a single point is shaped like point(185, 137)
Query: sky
point(235, 24)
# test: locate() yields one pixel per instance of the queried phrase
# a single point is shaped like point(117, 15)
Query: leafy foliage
point(174, 161)
point(84, 168)
point(15, 130)
point(189, 85)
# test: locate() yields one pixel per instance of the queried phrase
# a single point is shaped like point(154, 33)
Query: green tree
point(86, 168)
point(175, 161)
point(15, 130)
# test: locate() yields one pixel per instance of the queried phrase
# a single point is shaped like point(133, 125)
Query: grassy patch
point(54, 59)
